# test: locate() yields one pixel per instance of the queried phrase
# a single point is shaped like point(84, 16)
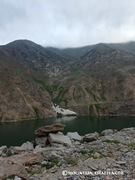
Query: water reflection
point(65, 119)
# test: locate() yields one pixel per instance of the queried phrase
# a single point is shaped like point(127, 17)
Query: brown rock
point(7, 169)
point(26, 159)
point(45, 130)
point(91, 137)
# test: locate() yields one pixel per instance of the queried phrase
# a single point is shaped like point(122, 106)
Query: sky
point(67, 23)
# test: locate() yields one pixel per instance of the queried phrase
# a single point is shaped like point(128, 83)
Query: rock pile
point(51, 135)
point(54, 156)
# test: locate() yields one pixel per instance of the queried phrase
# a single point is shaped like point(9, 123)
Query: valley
point(96, 80)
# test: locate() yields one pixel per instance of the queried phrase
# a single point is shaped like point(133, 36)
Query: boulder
point(17, 178)
point(96, 155)
point(3, 149)
point(26, 159)
point(107, 132)
point(41, 141)
point(45, 130)
point(59, 139)
point(17, 149)
point(75, 136)
point(28, 146)
point(7, 169)
point(91, 137)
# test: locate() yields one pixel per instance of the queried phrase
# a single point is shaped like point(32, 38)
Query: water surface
point(12, 134)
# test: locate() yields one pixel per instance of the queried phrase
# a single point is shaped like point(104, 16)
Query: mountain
point(74, 53)
point(71, 53)
point(101, 82)
point(35, 56)
point(128, 47)
point(91, 80)
point(21, 96)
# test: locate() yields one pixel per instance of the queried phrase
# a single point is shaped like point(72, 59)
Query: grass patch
point(95, 97)
point(1, 117)
point(60, 95)
point(36, 110)
point(91, 109)
point(74, 74)
point(10, 177)
point(112, 141)
point(53, 162)
point(48, 88)
point(91, 153)
point(71, 161)
point(97, 106)
point(34, 171)
point(132, 145)
point(66, 103)
point(84, 152)
point(9, 153)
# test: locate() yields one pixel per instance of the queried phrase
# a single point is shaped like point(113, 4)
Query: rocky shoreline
point(54, 156)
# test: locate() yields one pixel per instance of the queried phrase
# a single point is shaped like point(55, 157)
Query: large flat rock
point(75, 136)
point(45, 130)
point(59, 138)
point(26, 159)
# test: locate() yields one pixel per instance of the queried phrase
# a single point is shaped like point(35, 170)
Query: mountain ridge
point(99, 80)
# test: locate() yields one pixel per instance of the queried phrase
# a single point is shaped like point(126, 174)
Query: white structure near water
point(62, 111)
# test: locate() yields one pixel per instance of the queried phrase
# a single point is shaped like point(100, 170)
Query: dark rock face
point(45, 130)
point(35, 56)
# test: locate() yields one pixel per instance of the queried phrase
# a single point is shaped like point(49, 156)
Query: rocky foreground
point(54, 156)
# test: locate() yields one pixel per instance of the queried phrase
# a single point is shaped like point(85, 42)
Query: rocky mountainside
point(100, 82)
point(93, 80)
point(20, 96)
point(35, 56)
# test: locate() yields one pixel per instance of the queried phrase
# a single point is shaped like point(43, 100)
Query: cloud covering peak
point(67, 23)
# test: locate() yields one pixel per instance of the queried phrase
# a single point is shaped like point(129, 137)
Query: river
point(16, 133)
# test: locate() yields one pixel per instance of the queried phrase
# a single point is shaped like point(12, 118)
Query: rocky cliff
point(21, 97)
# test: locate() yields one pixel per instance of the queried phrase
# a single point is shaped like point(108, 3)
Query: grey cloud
point(68, 22)
point(10, 11)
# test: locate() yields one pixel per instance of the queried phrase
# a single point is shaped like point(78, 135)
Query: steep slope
point(101, 82)
point(95, 80)
point(35, 57)
point(21, 97)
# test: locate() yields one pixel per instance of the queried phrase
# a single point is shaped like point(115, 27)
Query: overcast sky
point(67, 23)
